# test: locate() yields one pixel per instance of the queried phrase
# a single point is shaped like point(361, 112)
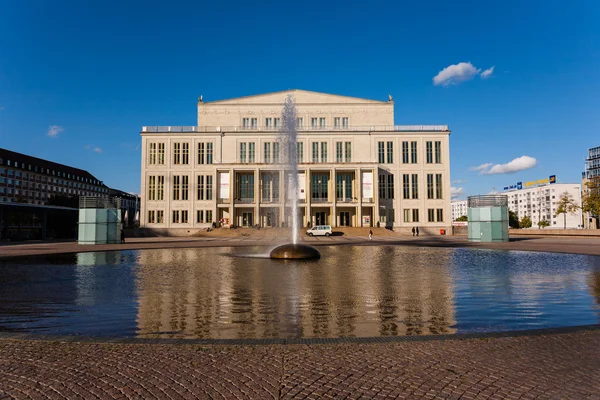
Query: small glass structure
point(488, 218)
point(99, 220)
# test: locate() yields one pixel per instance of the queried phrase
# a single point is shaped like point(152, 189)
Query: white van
point(319, 230)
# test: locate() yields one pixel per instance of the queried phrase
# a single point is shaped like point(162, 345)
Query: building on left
point(39, 198)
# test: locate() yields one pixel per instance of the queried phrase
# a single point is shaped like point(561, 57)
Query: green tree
point(566, 205)
point(590, 201)
point(513, 220)
point(543, 224)
point(462, 218)
point(525, 222)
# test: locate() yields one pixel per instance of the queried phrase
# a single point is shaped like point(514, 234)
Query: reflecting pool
point(352, 291)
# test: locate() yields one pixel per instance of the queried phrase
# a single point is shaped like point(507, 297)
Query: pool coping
point(297, 341)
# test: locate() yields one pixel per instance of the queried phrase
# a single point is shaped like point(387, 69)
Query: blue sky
point(98, 71)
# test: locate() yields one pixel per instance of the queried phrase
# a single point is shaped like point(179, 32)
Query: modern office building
point(130, 207)
point(538, 200)
point(459, 208)
point(356, 168)
point(592, 172)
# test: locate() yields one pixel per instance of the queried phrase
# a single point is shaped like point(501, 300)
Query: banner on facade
point(224, 185)
point(301, 186)
point(367, 185)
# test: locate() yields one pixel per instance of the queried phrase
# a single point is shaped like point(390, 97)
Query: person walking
point(417, 231)
point(370, 234)
point(413, 231)
point(122, 236)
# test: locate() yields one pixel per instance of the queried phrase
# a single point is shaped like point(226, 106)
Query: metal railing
point(357, 128)
point(245, 200)
point(319, 200)
point(346, 200)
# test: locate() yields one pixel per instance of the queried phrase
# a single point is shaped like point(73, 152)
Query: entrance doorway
point(320, 218)
point(247, 219)
point(345, 218)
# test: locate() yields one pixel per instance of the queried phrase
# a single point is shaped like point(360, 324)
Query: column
point(282, 196)
point(332, 173)
point(231, 199)
point(307, 190)
point(256, 197)
point(358, 195)
point(375, 218)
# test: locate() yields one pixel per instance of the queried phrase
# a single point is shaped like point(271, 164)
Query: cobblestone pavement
point(551, 366)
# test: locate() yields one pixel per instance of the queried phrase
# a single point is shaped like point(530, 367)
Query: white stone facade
point(356, 168)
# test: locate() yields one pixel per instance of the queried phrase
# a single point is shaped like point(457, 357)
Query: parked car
point(319, 230)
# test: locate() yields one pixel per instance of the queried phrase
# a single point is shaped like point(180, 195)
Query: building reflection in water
point(351, 291)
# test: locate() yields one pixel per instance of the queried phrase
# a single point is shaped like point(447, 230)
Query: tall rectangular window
point(243, 149)
point(185, 182)
point(268, 123)
point(160, 187)
point(161, 154)
point(381, 152)
point(200, 216)
point(438, 152)
point(430, 186)
point(200, 189)
point(277, 123)
point(245, 123)
point(413, 152)
point(339, 153)
point(430, 215)
point(176, 153)
point(267, 153)
point(209, 153)
point(152, 155)
point(348, 152)
point(406, 215)
point(337, 123)
point(300, 151)
point(175, 216)
point(209, 187)
point(185, 156)
point(251, 152)
point(152, 188)
point(209, 216)
point(315, 152)
point(344, 122)
point(381, 186)
point(322, 123)
point(299, 122)
point(390, 152)
point(176, 187)
point(151, 217)
point(415, 215)
point(254, 123)
point(276, 151)
point(201, 153)
point(323, 152)
point(405, 186)
point(390, 186)
point(160, 217)
point(404, 152)
point(429, 152)
point(415, 186)
point(184, 216)
point(438, 186)
point(440, 215)
point(313, 123)
point(320, 185)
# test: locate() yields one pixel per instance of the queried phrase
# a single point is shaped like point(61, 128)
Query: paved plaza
point(550, 364)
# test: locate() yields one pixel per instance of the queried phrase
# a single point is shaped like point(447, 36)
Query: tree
point(462, 218)
point(543, 223)
point(566, 204)
point(525, 222)
point(590, 201)
point(513, 220)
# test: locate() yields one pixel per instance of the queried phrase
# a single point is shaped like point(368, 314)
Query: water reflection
point(352, 291)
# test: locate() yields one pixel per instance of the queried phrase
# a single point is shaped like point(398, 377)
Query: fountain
point(289, 152)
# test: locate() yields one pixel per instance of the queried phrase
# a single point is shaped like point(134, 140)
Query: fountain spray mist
point(289, 158)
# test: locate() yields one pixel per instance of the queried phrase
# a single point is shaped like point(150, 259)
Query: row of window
point(433, 152)
point(410, 186)
point(315, 123)
point(156, 187)
point(433, 215)
point(47, 171)
point(180, 216)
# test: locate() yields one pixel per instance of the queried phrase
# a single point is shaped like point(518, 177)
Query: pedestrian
point(417, 231)
point(122, 236)
point(370, 234)
point(413, 231)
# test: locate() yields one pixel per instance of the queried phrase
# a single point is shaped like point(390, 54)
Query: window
point(152, 155)
point(413, 152)
point(430, 215)
point(404, 152)
point(200, 188)
point(176, 153)
point(175, 216)
point(390, 152)
point(184, 187)
point(200, 216)
point(151, 217)
point(209, 187)
point(245, 123)
point(160, 187)
point(348, 152)
point(440, 215)
point(381, 152)
point(344, 122)
point(251, 152)
point(176, 187)
point(276, 151)
point(300, 151)
point(152, 188)
point(254, 123)
point(320, 187)
point(160, 217)
point(430, 186)
point(269, 123)
point(438, 152)
point(415, 186)
point(337, 122)
point(406, 215)
point(323, 151)
point(243, 147)
point(339, 153)
point(438, 186)
point(315, 152)
point(381, 186)
point(267, 153)
point(185, 157)
point(205, 153)
point(429, 152)
point(299, 123)
point(390, 186)
point(322, 123)
point(415, 215)
point(277, 123)
point(405, 186)
point(313, 123)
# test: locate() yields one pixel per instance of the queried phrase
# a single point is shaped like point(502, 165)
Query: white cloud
point(487, 73)
point(455, 74)
point(97, 149)
point(459, 181)
point(482, 167)
point(54, 130)
point(518, 164)
point(455, 192)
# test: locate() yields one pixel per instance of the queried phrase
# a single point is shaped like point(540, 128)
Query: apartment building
point(459, 208)
point(591, 172)
point(355, 167)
